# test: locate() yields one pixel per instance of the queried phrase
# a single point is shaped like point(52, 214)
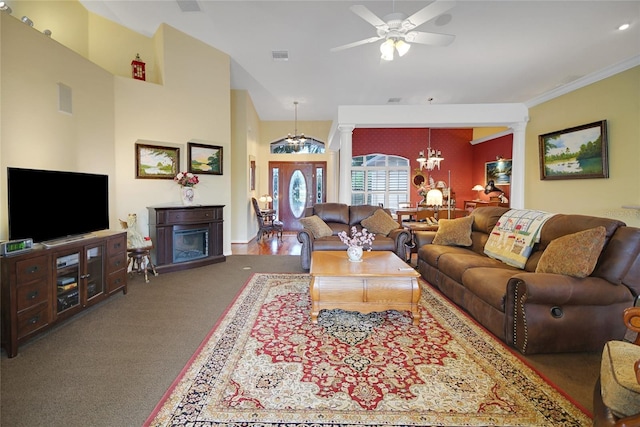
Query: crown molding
point(614, 69)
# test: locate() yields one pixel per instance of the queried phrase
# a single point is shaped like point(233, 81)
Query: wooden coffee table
point(381, 282)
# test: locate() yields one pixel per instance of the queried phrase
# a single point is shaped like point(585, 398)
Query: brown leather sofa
point(341, 217)
point(539, 312)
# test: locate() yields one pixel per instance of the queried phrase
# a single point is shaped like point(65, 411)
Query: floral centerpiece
point(186, 179)
point(356, 242)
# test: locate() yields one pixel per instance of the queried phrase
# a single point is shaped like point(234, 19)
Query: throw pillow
point(380, 223)
point(454, 232)
point(574, 254)
point(317, 226)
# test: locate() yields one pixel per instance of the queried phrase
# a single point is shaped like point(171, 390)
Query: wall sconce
point(477, 188)
point(266, 199)
point(4, 7)
point(27, 21)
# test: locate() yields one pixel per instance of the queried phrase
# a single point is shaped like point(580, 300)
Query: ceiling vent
point(189, 5)
point(394, 100)
point(280, 55)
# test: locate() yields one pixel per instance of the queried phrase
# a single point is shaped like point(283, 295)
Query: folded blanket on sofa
point(512, 239)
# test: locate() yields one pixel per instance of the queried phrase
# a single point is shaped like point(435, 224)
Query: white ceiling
point(504, 51)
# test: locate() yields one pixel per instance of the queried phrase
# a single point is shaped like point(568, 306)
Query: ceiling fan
point(398, 29)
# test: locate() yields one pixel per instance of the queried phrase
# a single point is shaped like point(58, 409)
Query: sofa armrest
point(402, 238)
point(306, 238)
point(424, 237)
point(554, 313)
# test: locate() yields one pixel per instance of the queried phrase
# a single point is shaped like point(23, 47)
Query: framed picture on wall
point(204, 159)
point(499, 172)
point(156, 161)
point(575, 153)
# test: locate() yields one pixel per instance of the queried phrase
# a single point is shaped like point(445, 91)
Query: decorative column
point(346, 135)
point(517, 173)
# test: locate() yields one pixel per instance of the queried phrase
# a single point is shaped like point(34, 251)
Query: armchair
point(616, 396)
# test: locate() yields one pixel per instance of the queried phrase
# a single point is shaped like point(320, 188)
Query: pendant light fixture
point(433, 159)
point(295, 139)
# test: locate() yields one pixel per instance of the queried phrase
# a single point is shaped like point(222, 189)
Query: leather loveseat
point(539, 312)
point(341, 217)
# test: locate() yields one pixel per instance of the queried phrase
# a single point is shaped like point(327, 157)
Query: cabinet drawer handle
point(33, 295)
point(33, 269)
point(85, 276)
point(118, 263)
point(34, 320)
point(117, 245)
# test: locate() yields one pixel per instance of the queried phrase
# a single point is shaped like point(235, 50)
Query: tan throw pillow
point(574, 254)
point(317, 226)
point(380, 223)
point(454, 232)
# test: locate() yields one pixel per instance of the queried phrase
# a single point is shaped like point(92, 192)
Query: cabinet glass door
point(67, 280)
point(94, 272)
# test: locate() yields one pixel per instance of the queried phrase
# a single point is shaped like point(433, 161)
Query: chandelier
point(433, 159)
point(296, 139)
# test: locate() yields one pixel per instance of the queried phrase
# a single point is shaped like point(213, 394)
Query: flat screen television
point(47, 205)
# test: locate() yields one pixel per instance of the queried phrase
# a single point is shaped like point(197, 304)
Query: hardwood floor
point(269, 245)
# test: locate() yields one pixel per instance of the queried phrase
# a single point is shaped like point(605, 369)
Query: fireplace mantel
point(165, 221)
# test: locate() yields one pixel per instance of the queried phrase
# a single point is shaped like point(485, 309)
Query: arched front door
point(296, 186)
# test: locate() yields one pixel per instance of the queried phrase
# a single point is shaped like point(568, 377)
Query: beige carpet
point(266, 364)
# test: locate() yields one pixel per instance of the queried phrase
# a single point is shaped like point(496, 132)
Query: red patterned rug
point(266, 364)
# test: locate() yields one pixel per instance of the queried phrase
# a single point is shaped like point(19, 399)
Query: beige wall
point(34, 134)
point(617, 100)
point(112, 113)
point(245, 136)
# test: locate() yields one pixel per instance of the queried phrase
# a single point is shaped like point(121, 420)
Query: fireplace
point(185, 236)
point(189, 245)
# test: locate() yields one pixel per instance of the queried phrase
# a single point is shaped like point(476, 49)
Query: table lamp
point(478, 188)
point(266, 199)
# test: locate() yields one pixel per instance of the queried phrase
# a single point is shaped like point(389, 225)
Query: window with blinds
point(380, 179)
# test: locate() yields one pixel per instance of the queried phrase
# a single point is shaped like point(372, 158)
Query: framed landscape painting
point(499, 172)
point(575, 153)
point(204, 159)
point(156, 162)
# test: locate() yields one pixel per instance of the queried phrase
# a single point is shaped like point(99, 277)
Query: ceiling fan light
point(402, 47)
point(386, 48)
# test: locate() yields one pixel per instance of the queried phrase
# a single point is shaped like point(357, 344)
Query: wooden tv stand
point(45, 286)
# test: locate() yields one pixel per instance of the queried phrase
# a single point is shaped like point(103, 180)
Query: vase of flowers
point(187, 182)
point(357, 242)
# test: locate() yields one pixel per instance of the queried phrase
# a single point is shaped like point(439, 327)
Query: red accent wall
point(487, 152)
point(465, 161)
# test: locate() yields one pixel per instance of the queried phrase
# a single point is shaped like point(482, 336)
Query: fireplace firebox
point(185, 236)
point(190, 244)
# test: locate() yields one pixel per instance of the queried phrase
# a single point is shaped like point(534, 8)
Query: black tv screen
point(47, 205)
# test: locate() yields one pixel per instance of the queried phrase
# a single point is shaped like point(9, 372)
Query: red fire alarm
point(137, 68)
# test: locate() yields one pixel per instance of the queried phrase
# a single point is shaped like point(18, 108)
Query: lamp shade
point(477, 187)
point(434, 198)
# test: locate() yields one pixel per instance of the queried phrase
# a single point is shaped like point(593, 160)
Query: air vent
point(394, 100)
point(189, 5)
point(280, 55)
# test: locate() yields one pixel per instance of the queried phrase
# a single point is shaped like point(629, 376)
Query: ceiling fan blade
point(354, 44)
point(437, 8)
point(368, 16)
point(434, 39)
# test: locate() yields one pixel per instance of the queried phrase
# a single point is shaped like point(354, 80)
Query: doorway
point(296, 186)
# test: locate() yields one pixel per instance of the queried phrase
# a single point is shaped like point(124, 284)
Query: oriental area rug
point(266, 364)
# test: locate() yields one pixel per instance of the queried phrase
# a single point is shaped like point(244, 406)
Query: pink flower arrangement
point(186, 179)
point(358, 238)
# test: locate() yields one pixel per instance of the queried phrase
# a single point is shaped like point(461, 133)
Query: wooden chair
point(266, 226)
point(603, 414)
